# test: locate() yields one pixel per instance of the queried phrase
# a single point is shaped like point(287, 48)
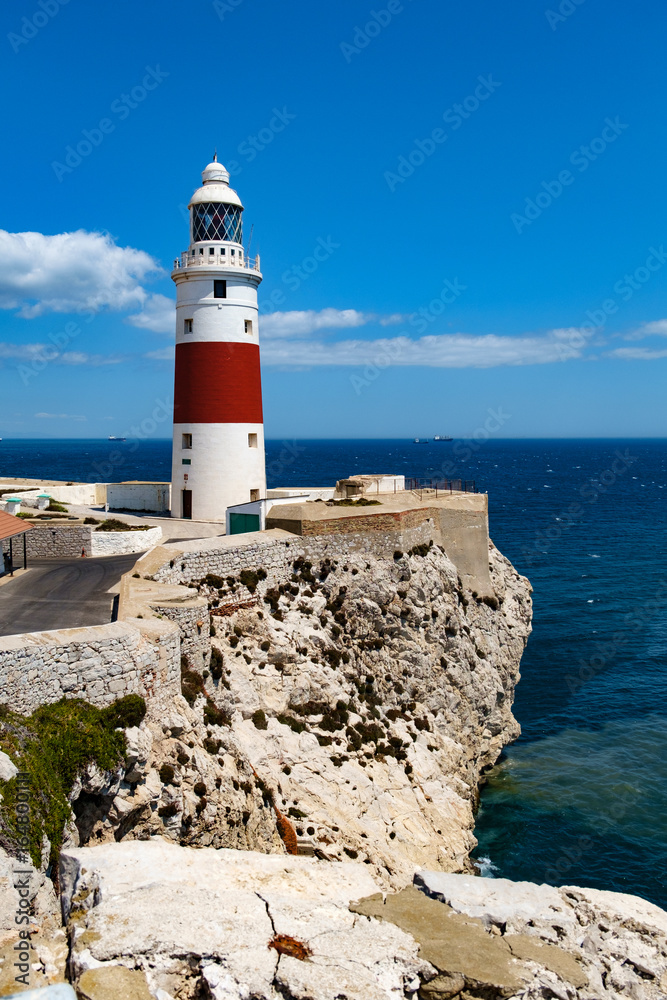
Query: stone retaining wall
point(115, 543)
point(98, 664)
point(194, 624)
point(59, 541)
point(375, 521)
point(275, 555)
point(69, 541)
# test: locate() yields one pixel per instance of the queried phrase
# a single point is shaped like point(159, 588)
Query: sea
point(581, 797)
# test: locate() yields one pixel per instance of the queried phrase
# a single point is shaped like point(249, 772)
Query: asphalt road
point(61, 593)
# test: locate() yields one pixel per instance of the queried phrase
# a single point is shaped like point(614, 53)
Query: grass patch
point(52, 746)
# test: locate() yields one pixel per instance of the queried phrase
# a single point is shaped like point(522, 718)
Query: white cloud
point(658, 327)
point(20, 352)
point(81, 358)
point(302, 323)
point(637, 354)
point(158, 315)
point(437, 351)
point(70, 273)
point(60, 416)
point(392, 320)
point(47, 353)
point(164, 354)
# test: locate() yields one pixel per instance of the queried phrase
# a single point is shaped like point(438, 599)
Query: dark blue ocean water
point(581, 797)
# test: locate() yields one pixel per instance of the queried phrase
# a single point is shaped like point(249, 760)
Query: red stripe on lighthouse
point(217, 384)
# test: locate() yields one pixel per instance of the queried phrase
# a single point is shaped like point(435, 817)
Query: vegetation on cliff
point(52, 746)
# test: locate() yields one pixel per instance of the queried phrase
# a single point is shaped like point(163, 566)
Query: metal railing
point(439, 487)
point(216, 260)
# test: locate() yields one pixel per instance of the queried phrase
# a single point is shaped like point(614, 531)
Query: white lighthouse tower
point(218, 449)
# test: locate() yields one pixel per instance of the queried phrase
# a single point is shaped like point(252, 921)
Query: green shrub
point(169, 810)
point(212, 580)
point(53, 745)
point(249, 579)
point(272, 597)
point(200, 788)
point(114, 524)
point(420, 550)
point(54, 505)
point(214, 716)
point(192, 683)
point(294, 724)
point(259, 719)
point(217, 664)
point(126, 712)
point(166, 774)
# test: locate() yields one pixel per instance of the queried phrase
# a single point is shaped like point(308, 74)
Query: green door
point(239, 523)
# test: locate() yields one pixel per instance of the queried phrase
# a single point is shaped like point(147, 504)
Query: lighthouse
point(218, 445)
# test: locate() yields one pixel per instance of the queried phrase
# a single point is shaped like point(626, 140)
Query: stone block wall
point(139, 496)
point(99, 664)
point(115, 543)
point(194, 624)
point(276, 555)
point(67, 541)
point(59, 541)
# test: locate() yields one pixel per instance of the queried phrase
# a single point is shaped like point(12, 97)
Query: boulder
point(234, 923)
point(8, 768)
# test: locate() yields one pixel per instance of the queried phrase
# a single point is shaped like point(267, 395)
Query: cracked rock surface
point(178, 923)
point(201, 922)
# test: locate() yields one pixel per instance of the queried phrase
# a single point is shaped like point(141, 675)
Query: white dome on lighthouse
point(215, 172)
point(215, 187)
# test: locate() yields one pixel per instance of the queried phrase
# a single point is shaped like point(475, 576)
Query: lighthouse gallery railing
point(216, 260)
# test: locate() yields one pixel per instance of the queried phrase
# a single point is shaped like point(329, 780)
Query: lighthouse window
point(248, 326)
point(252, 440)
point(187, 441)
point(211, 251)
point(211, 221)
point(219, 289)
point(186, 461)
point(187, 326)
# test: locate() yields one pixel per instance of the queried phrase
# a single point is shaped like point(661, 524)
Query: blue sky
point(483, 184)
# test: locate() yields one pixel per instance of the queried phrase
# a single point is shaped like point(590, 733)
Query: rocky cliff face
point(352, 708)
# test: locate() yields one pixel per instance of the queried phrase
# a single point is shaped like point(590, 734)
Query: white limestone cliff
point(360, 701)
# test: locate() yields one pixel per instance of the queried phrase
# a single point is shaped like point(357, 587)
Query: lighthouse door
point(187, 504)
